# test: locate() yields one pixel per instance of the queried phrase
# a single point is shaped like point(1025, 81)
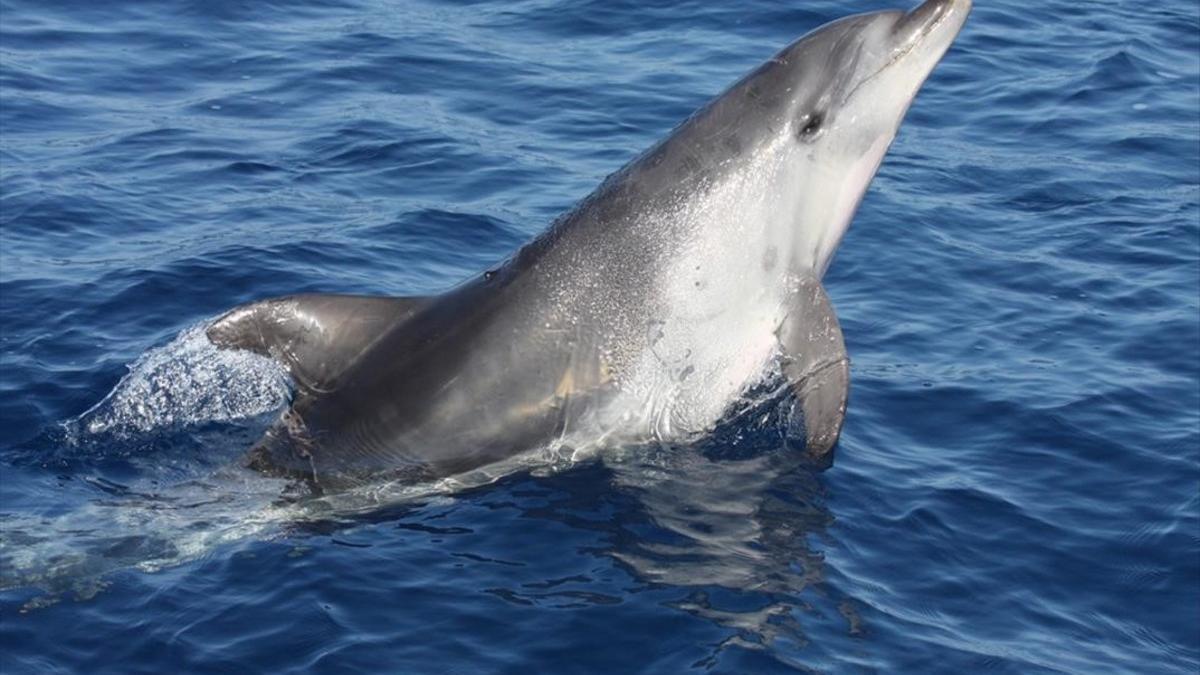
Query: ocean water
point(1017, 488)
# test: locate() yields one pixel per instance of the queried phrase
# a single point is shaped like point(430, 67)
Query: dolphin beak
point(920, 22)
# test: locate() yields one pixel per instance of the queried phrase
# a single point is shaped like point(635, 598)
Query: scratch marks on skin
point(770, 259)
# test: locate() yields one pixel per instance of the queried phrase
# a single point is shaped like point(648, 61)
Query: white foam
point(189, 381)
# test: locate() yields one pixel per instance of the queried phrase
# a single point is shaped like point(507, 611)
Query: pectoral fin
point(817, 367)
point(315, 336)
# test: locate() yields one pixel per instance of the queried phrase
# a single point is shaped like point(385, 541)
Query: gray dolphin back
point(316, 337)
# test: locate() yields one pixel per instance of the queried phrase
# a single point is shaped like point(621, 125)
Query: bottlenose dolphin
point(645, 313)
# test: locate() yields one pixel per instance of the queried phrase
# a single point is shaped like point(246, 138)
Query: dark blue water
point(1017, 487)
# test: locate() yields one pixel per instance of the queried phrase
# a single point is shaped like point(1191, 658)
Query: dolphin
point(646, 313)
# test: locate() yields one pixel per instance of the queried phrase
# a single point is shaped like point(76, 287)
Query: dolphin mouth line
point(939, 19)
point(908, 48)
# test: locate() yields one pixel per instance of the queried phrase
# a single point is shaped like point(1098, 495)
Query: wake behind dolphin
point(644, 314)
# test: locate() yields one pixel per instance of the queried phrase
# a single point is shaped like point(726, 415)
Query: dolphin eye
point(809, 125)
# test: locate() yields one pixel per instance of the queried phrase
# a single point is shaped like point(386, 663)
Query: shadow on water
point(727, 531)
point(733, 543)
point(717, 525)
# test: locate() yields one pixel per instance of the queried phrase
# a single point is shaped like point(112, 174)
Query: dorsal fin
point(315, 336)
point(816, 365)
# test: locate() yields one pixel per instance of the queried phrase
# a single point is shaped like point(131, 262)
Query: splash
point(189, 381)
point(148, 477)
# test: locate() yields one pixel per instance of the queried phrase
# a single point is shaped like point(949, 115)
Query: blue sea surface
point(1017, 488)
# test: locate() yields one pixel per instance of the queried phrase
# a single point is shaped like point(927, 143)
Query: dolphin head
point(796, 142)
point(839, 95)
